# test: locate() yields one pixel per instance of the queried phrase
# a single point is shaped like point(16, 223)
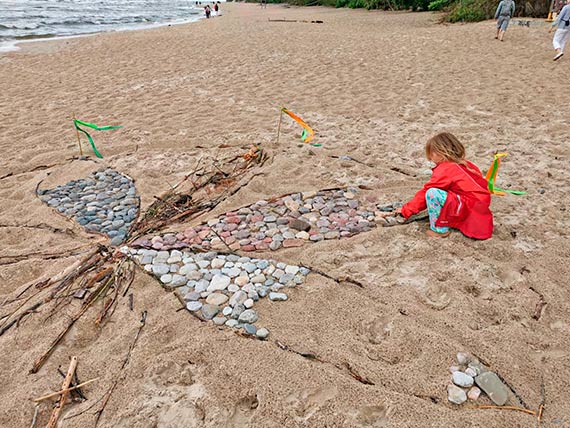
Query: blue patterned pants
point(435, 198)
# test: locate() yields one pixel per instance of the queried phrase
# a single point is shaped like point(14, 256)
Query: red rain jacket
point(468, 198)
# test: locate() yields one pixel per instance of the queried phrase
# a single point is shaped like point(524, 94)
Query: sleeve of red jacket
point(439, 180)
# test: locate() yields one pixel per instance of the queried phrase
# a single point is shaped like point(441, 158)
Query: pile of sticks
point(200, 191)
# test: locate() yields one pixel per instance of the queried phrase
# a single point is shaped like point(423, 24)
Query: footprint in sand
point(377, 330)
point(243, 412)
point(173, 395)
point(306, 403)
point(370, 417)
point(435, 296)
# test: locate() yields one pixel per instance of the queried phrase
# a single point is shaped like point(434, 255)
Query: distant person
point(216, 9)
point(207, 11)
point(558, 5)
point(562, 33)
point(503, 15)
point(457, 195)
point(263, 3)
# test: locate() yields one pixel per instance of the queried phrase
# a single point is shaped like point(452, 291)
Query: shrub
point(438, 4)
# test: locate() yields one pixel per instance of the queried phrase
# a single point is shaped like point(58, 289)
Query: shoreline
point(11, 45)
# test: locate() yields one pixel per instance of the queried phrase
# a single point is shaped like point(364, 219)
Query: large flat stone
point(490, 383)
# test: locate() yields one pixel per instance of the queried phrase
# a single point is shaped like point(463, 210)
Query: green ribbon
point(493, 177)
point(96, 128)
point(304, 136)
point(512, 192)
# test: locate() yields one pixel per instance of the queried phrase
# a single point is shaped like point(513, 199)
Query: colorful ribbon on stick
point(307, 134)
point(492, 176)
point(77, 122)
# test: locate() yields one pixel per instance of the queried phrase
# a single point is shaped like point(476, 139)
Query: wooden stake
point(59, 407)
point(279, 126)
point(78, 139)
point(45, 397)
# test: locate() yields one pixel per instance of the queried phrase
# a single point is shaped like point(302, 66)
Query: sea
point(23, 20)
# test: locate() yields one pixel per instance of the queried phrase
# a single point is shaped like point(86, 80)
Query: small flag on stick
point(307, 134)
point(492, 176)
point(77, 122)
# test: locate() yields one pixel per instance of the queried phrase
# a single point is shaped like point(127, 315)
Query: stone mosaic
point(106, 202)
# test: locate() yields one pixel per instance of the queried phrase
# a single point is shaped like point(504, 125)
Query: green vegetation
point(454, 10)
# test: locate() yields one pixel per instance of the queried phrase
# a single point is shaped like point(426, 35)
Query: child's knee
point(432, 193)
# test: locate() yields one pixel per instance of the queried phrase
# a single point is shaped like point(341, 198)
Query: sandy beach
point(374, 86)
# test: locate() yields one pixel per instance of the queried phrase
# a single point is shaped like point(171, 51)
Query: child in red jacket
point(457, 195)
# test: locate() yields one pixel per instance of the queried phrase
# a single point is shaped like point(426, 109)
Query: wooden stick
point(279, 126)
point(78, 138)
point(518, 409)
point(35, 418)
point(59, 407)
point(71, 388)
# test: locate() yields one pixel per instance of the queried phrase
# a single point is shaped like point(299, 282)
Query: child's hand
point(399, 210)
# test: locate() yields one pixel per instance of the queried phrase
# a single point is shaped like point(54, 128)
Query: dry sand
point(374, 85)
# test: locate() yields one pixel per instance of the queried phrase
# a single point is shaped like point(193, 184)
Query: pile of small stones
point(219, 287)
point(286, 222)
point(470, 372)
point(105, 202)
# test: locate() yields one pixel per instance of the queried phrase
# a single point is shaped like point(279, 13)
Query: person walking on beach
point(216, 9)
point(562, 34)
point(503, 14)
point(457, 195)
point(558, 5)
point(263, 3)
point(207, 11)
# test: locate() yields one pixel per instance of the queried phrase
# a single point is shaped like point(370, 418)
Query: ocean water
point(37, 19)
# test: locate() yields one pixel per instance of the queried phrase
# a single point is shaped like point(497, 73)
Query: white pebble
point(461, 379)
point(456, 395)
point(463, 358)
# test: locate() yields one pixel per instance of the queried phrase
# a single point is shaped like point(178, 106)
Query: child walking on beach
point(562, 33)
point(503, 14)
point(457, 195)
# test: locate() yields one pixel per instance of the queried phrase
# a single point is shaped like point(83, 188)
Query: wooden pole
point(59, 407)
point(78, 139)
point(279, 126)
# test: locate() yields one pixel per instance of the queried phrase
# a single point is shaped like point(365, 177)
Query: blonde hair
point(447, 146)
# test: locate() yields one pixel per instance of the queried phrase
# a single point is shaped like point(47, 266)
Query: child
point(503, 14)
point(562, 33)
point(457, 195)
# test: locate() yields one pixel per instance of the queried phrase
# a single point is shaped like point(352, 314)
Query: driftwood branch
point(516, 409)
point(59, 406)
point(338, 280)
point(10, 260)
point(125, 362)
point(355, 374)
point(41, 226)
